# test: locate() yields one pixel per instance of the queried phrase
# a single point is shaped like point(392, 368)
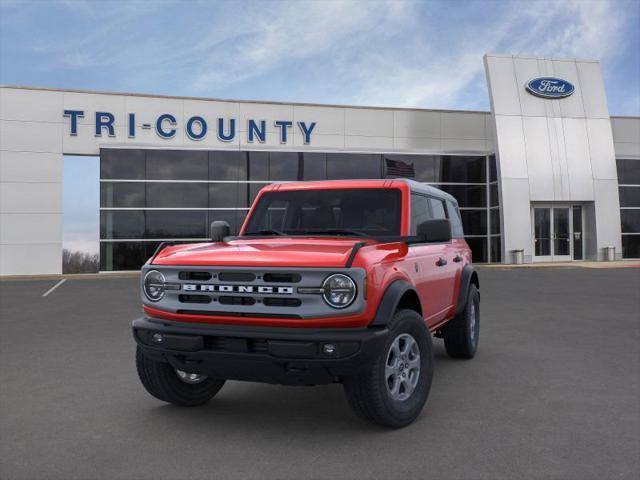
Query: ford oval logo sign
point(550, 87)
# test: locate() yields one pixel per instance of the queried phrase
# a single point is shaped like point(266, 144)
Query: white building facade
point(547, 174)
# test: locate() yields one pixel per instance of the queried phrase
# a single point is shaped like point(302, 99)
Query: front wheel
point(393, 389)
point(175, 386)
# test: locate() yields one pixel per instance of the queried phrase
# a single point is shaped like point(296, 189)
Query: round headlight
point(339, 291)
point(154, 285)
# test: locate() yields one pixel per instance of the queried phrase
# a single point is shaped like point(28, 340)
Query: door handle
point(457, 259)
point(441, 262)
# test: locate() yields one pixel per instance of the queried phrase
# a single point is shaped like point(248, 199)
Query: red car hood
point(272, 252)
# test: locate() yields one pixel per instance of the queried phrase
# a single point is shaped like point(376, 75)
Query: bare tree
point(79, 262)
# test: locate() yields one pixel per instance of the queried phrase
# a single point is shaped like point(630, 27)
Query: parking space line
point(54, 287)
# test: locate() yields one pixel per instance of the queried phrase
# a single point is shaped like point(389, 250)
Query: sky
point(380, 53)
point(81, 204)
point(389, 53)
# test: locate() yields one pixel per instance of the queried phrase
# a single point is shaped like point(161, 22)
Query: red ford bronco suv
point(332, 281)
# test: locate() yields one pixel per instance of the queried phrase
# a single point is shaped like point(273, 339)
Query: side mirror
point(435, 231)
point(219, 230)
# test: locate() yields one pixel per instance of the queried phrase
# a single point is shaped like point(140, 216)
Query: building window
point(630, 219)
point(258, 167)
point(468, 196)
point(463, 169)
point(629, 192)
point(122, 224)
point(631, 246)
point(283, 166)
point(496, 253)
point(474, 221)
point(314, 166)
point(628, 171)
point(176, 224)
point(423, 168)
point(228, 195)
point(493, 169)
point(148, 196)
point(228, 166)
point(122, 195)
point(166, 165)
point(353, 165)
point(629, 196)
point(122, 164)
point(177, 195)
point(125, 255)
point(479, 249)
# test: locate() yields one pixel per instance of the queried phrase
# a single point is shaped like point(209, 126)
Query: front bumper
point(288, 356)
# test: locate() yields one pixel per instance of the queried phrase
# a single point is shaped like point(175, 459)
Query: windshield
point(357, 212)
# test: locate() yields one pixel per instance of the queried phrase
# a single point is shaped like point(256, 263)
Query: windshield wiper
point(336, 231)
point(266, 232)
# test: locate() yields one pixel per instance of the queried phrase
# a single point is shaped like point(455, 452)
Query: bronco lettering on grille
point(191, 287)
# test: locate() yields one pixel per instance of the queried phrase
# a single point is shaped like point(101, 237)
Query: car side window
point(420, 211)
point(437, 208)
point(456, 222)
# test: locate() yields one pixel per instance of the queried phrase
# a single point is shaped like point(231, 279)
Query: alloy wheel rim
point(402, 367)
point(473, 321)
point(190, 378)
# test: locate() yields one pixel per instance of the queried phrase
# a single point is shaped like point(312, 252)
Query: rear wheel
point(393, 389)
point(461, 334)
point(175, 386)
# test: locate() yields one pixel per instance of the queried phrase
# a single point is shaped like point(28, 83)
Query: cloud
point(79, 244)
point(97, 33)
point(576, 28)
point(562, 29)
point(391, 55)
point(276, 38)
point(80, 60)
point(387, 52)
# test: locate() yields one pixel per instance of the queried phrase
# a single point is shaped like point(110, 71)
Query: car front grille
point(249, 292)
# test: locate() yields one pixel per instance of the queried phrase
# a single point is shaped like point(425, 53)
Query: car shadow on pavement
point(244, 406)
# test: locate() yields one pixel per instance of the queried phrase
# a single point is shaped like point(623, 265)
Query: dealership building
point(546, 175)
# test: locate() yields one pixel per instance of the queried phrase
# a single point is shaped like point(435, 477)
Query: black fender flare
point(390, 300)
point(468, 273)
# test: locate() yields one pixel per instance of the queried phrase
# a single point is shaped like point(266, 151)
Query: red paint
point(437, 287)
point(272, 252)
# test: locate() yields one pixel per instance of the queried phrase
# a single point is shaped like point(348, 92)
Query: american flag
point(398, 168)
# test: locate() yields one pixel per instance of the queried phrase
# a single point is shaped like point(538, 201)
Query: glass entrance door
point(542, 233)
point(557, 233)
point(561, 234)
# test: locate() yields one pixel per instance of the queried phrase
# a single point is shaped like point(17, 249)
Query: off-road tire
point(460, 338)
point(161, 380)
point(367, 392)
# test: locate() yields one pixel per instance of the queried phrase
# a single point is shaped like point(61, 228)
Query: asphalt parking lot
point(554, 392)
